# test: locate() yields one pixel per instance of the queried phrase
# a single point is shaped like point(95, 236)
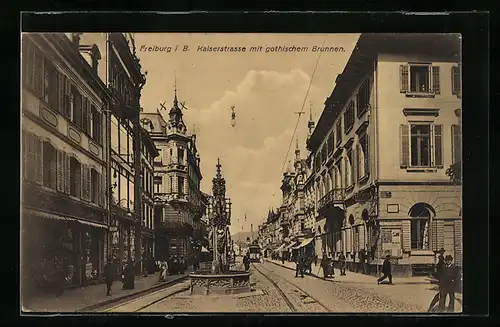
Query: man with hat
point(440, 263)
point(386, 270)
point(448, 283)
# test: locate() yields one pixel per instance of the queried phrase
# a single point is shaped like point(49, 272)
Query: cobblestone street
point(278, 290)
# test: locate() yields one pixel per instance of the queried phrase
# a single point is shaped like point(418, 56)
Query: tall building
point(382, 146)
point(121, 72)
point(64, 161)
point(148, 153)
point(179, 203)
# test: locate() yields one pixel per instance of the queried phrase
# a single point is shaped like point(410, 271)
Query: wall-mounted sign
point(113, 229)
point(392, 208)
point(386, 194)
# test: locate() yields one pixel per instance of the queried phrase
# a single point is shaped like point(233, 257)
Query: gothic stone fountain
point(220, 280)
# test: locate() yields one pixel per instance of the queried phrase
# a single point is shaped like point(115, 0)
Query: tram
point(255, 253)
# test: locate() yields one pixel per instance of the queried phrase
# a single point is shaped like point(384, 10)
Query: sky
point(266, 90)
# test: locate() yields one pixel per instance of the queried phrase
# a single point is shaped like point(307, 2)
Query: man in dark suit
point(386, 270)
point(109, 275)
point(448, 283)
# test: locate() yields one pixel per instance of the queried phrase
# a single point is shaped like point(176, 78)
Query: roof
point(361, 60)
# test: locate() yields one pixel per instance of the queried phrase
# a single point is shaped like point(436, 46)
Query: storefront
point(56, 246)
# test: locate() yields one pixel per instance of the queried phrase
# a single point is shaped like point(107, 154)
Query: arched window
point(75, 179)
point(49, 165)
point(421, 215)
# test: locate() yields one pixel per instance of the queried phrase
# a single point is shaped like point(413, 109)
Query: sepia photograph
point(241, 172)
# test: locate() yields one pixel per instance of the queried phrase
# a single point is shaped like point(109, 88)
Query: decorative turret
point(310, 123)
point(175, 115)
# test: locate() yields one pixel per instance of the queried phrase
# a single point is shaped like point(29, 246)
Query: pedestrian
point(440, 263)
point(310, 260)
point(282, 258)
point(246, 262)
point(386, 270)
point(109, 275)
point(361, 262)
point(342, 263)
point(324, 265)
point(163, 271)
point(182, 265)
point(128, 276)
point(298, 266)
point(331, 265)
point(448, 284)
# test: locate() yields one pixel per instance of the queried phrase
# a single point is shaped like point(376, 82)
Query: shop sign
point(113, 229)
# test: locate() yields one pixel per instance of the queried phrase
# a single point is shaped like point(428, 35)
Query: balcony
point(332, 198)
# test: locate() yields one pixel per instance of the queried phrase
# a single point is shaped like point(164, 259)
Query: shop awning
point(289, 246)
point(280, 248)
point(303, 243)
point(204, 249)
point(48, 215)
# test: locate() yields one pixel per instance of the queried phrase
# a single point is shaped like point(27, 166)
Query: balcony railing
point(335, 196)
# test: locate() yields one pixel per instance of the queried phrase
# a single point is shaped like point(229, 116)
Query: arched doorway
point(421, 215)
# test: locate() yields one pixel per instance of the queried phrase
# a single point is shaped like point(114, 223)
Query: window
point(171, 185)
point(115, 135)
point(158, 214)
point(456, 144)
point(421, 145)
point(131, 194)
point(420, 215)
point(85, 115)
point(330, 144)
point(96, 125)
point(349, 169)
point(363, 97)
point(363, 158)
point(180, 185)
point(420, 78)
point(75, 177)
point(114, 183)
point(324, 154)
point(157, 184)
point(123, 190)
point(349, 117)
point(71, 106)
point(76, 116)
point(158, 160)
point(94, 182)
point(180, 156)
point(338, 131)
point(49, 165)
point(456, 81)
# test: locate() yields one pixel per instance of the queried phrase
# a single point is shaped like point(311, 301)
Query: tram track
point(115, 307)
point(285, 297)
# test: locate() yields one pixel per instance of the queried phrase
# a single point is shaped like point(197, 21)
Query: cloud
point(253, 152)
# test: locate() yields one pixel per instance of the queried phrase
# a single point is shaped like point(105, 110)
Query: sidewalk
point(352, 277)
point(80, 298)
point(417, 291)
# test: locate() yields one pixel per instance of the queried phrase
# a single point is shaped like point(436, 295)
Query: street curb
point(132, 295)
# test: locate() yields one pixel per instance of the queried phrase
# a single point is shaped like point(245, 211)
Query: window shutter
point(434, 233)
point(60, 171)
point(403, 78)
point(39, 160)
point(67, 96)
point(367, 155)
point(455, 80)
point(436, 87)
point(438, 145)
point(346, 179)
point(83, 181)
point(67, 173)
point(60, 93)
point(405, 145)
point(456, 144)
point(358, 157)
point(353, 167)
point(89, 185)
point(103, 190)
point(25, 144)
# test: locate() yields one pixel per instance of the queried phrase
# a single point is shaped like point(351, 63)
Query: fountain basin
point(233, 282)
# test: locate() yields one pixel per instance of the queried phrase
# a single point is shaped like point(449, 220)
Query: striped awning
point(49, 215)
point(303, 243)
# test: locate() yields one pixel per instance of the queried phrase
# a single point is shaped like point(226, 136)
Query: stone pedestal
point(220, 284)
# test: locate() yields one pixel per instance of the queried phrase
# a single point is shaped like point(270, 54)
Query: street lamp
point(233, 117)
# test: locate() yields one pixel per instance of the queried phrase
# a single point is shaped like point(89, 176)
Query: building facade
point(378, 192)
point(148, 153)
point(64, 161)
point(179, 203)
point(122, 74)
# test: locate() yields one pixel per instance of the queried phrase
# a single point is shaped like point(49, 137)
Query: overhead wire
point(301, 109)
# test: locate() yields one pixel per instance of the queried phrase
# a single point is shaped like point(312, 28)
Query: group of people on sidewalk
point(174, 266)
point(448, 278)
